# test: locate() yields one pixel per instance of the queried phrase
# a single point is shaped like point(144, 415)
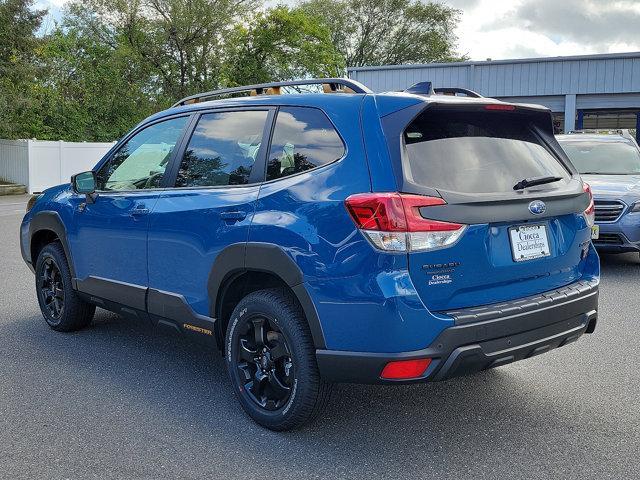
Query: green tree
point(90, 90)
point(394, 32)
point(280, 44)
point(19, 23)
point(181, 41)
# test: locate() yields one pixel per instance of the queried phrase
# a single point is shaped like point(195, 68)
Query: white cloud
point(540, 28)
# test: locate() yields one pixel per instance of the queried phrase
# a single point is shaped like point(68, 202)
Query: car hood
point(618, 186)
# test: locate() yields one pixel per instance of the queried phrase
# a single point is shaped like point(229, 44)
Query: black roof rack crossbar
point(454, 90)
point(259, 88)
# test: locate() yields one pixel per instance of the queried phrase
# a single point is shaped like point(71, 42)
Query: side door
point(218, 173)
point(109, 242)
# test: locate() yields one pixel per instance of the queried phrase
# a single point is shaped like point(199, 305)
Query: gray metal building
point(587, 91)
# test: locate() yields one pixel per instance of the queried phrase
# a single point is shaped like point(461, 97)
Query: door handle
point(233, 216)
point(140, 210)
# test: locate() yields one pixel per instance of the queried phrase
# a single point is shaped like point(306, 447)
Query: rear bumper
point(483, 337)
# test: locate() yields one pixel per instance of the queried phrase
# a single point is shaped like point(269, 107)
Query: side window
point(140, 163)
point(222, 149)
point(303, 139)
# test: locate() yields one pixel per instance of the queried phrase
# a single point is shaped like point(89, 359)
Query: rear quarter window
point(303, 139)
point(475, 151)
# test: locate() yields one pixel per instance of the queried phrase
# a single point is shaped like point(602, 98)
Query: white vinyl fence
point(41, 164)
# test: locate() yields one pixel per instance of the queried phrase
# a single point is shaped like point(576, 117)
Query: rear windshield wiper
point(530, 182)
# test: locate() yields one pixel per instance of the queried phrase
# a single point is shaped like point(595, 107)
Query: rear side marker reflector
point(393, 222)
point(405, 369)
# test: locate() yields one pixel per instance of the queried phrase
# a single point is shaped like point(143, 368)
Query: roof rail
point(329, 85)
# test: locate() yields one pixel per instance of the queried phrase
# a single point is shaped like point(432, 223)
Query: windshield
point(603, 158)
point(475, 152)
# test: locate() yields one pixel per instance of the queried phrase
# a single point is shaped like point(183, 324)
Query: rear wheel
point(61, 306)
point(271, 361)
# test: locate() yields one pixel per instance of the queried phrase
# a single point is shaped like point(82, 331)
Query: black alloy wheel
point(51, 288)
point(271, 361)
point(61, 306)
point(264, 363)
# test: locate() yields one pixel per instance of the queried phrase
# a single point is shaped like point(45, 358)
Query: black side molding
point(128, 294)
point(171, 310)
point(163, 309)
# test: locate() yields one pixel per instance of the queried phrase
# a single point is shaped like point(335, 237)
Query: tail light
point(392, 222)
point(590, 212)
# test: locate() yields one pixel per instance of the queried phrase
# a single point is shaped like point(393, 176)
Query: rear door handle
point(140, 210)
point(233, 216)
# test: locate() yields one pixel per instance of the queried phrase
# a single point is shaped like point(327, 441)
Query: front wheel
point(271, 360)
point(61, 306)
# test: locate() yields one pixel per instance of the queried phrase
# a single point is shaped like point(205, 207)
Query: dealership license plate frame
point(541, 254)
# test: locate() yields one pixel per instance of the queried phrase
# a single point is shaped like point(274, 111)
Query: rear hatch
point(517, 239)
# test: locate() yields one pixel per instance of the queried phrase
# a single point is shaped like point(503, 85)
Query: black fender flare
point(239, 258)
point(48, 220)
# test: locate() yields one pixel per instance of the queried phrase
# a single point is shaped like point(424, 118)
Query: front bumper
point(614, 240)
point(482, 337)
point(622, 234)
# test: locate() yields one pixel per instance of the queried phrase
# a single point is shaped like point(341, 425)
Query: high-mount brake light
point(499, 106)
point(590, 212)
point(393, 222)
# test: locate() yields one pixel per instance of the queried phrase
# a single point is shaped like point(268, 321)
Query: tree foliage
point(110, 63)
point(281, 44)
point(181, 42)
point(90, 90)
point(19, 23)
point(388, 32)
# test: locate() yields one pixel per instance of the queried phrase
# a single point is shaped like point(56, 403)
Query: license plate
point(529, 242)
point(595, 232)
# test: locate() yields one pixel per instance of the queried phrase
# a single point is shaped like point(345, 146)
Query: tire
point(261, 373)
point(61, 307)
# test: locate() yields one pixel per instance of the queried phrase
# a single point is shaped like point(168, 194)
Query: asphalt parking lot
point(118, 400)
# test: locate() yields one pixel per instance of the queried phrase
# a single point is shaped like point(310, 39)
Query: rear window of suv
point(475, 152)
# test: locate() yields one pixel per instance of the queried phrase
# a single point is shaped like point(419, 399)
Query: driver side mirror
point(85, 182)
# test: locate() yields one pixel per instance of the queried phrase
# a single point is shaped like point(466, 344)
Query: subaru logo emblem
point(537, 207)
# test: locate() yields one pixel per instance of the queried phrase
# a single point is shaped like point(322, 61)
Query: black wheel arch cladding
point(48, 220)
point(241, 258)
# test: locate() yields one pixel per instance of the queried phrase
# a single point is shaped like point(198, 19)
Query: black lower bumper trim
point(471, 347)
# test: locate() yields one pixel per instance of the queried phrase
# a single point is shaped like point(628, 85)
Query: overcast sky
point(501, 29)
point(542, 28)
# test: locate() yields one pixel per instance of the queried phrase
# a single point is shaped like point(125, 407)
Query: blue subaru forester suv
point(337, 236)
